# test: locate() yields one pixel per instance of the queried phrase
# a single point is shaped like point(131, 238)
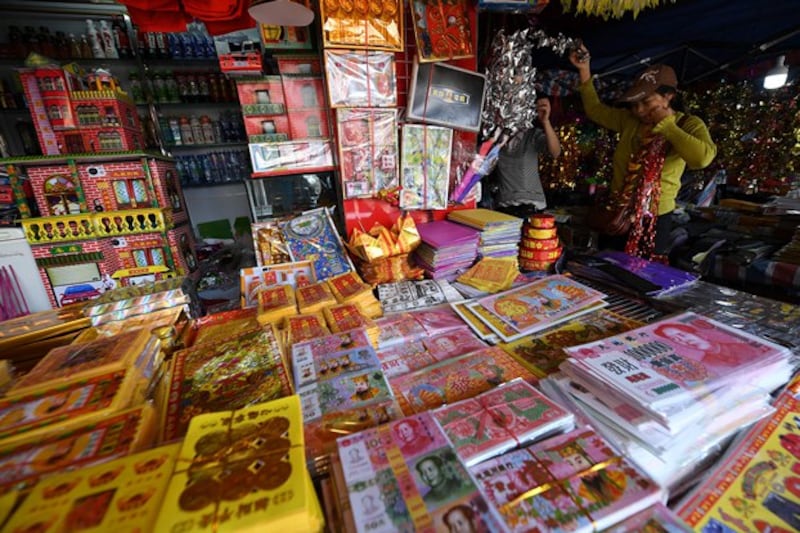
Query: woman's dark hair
point(677, 102)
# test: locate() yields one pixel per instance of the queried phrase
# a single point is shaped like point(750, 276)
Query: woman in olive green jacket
point(649, 111)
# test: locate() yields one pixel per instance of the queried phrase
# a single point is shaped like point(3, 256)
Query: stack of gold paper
point(344, 317)
point(209, 377)
point(314, 298)
point(78, 384)
point(275, 304)
point(126, 491)
point(350, 288)
point(244, 470)
point(25, 340)
point(219, 327)
point(142, 299)
point(491, 274)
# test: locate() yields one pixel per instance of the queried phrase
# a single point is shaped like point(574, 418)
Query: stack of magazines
point(447, 249)
point(676, 387)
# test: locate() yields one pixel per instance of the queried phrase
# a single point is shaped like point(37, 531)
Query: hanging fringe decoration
point(610, 8)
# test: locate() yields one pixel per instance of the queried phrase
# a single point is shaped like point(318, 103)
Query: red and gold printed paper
point(219, 327)
point(756, 487)
point(210, 377)
point(314, 298)
point(367, 150)
point(456, 379)
point(373, 24)
point(442, 29)
point(243, 470)
point(361, 78)
point(115, 436)
point(305, 327)
point(255, 279)
point(123, 495)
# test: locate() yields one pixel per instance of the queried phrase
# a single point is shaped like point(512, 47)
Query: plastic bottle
point(74, 47)
point(159, 87)
point(94, 40)
point(86, 48)
point(107, 38)
point(121, 39)
point(61, 45)
point(207, 130)
point(166, 131)
point(175, 128)
point(186, 131)
point(197, 130)
point(203, 90)
point(46, 44)
point(173, 92)
point(31, 41)
point(162, 45)
point(15, 42)
point(136, 89)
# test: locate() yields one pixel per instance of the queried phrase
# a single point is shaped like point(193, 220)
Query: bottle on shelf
point(74, 47)
point(95, 40)
point(46, 44)
point(207, 130)
point(31, 41)
point(16, 42)
point(107, 40)
point(136, 88)
point(175, 130)
point(186, 131)
point(197, 130)
point(85, 47)
point(173, 91)
point(140, 42)
point(162, 45)
point(61, 45)
point(122, 40)
point(166, 131)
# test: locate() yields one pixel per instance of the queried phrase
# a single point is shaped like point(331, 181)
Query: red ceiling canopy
point(219, 16)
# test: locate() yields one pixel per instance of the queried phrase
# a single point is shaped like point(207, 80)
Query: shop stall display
point(397, 357)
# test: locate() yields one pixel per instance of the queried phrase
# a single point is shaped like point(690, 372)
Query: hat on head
point(648, 81)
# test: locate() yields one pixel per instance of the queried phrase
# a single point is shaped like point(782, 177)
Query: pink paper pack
point(337, 342)
point(452, 343)
point(500, 419)
point(438, 319)
point(405, 358)
point(397, 329)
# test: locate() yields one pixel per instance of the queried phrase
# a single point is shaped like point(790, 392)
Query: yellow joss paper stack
point(344, 317)
point(78, 384)
point(349, 288)
point(121, 495)
point(491, 274)
point(275, 304)
point(314, 298)
point(540, 247)
point(243, 470)
point(305, 327)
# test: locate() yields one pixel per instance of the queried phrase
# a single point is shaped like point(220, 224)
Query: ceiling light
point(777, 75)
point(280, 13)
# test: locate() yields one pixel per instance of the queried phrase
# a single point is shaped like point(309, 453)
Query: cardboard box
point(303, 92)
point(309, 124)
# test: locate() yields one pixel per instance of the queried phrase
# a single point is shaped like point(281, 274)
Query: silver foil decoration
point(511, 78)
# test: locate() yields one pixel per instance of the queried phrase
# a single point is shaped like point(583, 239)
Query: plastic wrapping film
point(771, 319)
point(367, 149)
point(425, 166)
point(269, 243)
point(361, 78)
point(312, 236)
point(278, 158)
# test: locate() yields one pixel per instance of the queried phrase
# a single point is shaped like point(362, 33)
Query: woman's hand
point(543, 110)
point(581, 60)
